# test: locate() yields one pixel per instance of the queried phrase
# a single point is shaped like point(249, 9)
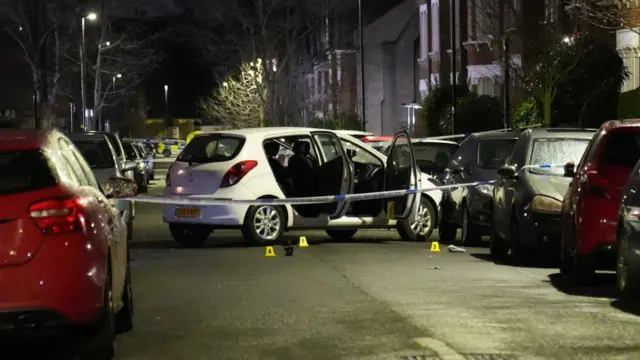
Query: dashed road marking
point(443, 350)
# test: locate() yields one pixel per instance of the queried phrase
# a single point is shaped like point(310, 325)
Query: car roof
point(579, 133)
point(497, 135)
point(435, 141)
point(24, 138)
point(614, 124)
point(354, 132)
point(87, 136)
point(266, 131)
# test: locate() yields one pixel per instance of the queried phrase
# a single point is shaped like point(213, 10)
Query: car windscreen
point(212, 148)
point(24, 171)
point(556, 152)
point(97, 153)
point(129, 151)
point(113, 139)
point(493, 153)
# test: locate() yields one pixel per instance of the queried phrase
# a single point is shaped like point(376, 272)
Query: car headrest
point(272, 148)
point(301, 147)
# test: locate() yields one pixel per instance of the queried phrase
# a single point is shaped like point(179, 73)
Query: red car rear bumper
point(61, 285)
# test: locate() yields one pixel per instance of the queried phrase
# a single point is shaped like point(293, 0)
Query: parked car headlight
point(546, 204)
point(485, 189)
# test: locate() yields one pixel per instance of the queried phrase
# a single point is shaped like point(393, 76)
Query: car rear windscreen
point(24, 171)
point(621, 149)
point(129, 151)
point(212, 148)
point(97, 153)
point(493, 153)
point(556, 152)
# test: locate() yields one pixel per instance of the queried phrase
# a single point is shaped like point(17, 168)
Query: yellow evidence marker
point(303, 242)
point(391, 206)
point(435, 247)
point(269, 251)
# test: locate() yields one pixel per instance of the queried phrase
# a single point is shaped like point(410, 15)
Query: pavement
point(371, 298)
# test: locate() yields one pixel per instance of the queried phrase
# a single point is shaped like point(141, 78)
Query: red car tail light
point(237, 172)
point(597, 185)
point(57, 216)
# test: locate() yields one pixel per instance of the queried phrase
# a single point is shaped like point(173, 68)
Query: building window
point(550, 11)
point(424, 32)
point(435, 27)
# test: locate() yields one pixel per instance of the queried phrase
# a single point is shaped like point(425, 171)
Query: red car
point(63, 253)
point(590, 206)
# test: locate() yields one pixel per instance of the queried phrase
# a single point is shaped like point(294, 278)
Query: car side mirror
point(455, 169)
point(507, 171)
point(569, 169)
point(119, 188)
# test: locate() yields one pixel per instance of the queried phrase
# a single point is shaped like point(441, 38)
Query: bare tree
point(276, 31)
point(607, 14)
point(40, 28)
point(124, 54)
point(238, 102)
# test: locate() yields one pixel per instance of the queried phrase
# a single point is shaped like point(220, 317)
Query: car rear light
point(57, 216)
point(597, 185)
point(237, 172)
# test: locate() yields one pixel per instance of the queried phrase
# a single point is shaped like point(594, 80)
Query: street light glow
point(166, 87)
point(108, 43)
point(92, 16)
point(119, 76)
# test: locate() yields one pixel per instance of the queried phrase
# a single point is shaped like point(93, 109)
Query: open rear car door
point(401, 173)
point(336, 171)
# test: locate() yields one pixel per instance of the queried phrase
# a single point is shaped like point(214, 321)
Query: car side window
point(74, 165)
point(464, 154)
point(363, 155)
point(519, 152)
point(329, 145)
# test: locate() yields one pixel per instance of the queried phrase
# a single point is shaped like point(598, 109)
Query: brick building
point(628, 42)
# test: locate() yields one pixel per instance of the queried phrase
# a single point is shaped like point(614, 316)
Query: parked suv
point(527, 200)
point(590, 207)
point(101, 157)
point(628, 238)
point(469, 208)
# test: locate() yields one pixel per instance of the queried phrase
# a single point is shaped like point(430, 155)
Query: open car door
point(336, 171)
point(401, 173)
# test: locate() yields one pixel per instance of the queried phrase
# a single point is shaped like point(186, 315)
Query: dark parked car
point(628, 238)
point(140, 174)
point(469, 208)
point(527, 200)
point(590, 207)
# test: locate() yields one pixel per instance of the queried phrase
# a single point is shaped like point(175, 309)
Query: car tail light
point(57, 216)
point(597, 185)
point(237, 172)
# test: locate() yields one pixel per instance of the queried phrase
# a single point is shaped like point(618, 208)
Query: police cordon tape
point(206, 200)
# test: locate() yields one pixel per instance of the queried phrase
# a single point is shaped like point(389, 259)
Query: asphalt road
point(372, 298)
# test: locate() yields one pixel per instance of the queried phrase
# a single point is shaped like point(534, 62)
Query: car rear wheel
point(341, 234)
point(627, 279)
point(124, 317)
point(264, 224)
point(190, 235)
point(166, 153)
point(422, 228)
point(469, 236)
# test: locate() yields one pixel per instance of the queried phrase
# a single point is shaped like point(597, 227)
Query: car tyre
point(124, 317)
point(498, 248)
point(190, 235)
point(519, 254)
point(469, 236)
point(627, 278)
point(422, 228)
point(166, 153)
point(103, 346)
point(341, 234)
point(264, 224)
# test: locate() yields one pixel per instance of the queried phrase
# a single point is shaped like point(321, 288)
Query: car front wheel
point(421, 228)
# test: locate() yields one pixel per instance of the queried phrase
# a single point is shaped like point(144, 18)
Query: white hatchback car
point(241, 164)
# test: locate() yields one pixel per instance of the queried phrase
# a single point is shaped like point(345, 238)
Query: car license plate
point(187, 212)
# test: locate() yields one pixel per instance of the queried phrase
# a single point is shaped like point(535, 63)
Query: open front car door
point(336, 172)
point(401, 173)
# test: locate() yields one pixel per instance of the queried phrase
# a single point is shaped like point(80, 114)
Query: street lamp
point(166, 97)
point(92, 17)
point(411, 115)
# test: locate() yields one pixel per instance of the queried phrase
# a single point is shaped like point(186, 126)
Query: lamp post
point(361, 31)
point(166, 99)
point(92, 17)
